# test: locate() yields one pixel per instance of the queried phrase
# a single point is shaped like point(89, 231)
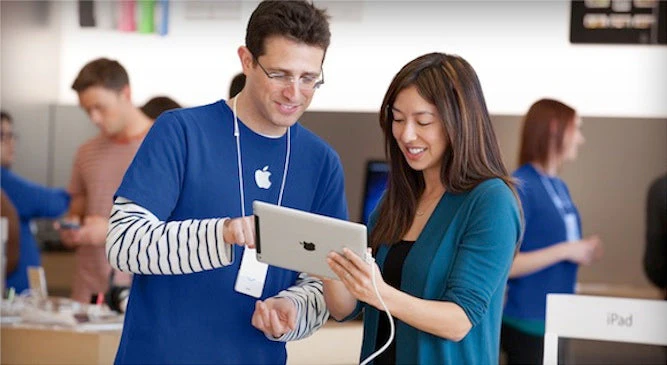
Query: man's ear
point(126, 93)
point(246, 58)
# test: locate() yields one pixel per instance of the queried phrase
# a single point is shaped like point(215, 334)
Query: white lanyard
point(252, 273)
point(237, 134)
point(560, 199)
point(562, 202)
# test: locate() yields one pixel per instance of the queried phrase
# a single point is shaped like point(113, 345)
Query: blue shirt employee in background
point(31, 201)
point(553, 246)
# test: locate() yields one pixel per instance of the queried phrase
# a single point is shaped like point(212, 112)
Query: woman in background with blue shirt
point(552, 247)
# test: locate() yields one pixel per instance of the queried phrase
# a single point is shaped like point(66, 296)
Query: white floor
point(335, 343)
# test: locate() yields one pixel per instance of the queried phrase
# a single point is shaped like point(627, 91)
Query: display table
point(31, 344)
point(59, 268)
point(335, 343)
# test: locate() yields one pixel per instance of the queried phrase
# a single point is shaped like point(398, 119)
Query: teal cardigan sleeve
point(486, 251)
point(371, 223)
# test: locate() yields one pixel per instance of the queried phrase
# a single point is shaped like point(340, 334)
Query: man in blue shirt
point(198, 294)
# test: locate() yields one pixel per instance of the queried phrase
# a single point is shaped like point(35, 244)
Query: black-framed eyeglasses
point(306, 83)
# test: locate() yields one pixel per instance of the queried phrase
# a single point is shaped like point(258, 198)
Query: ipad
point(300, 241)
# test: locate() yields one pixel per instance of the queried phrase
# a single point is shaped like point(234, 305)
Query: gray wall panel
point(71, 129)
point(608, 181)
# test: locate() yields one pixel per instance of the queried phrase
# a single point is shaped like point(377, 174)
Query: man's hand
point(239, 231)
point(92, 232)
point(68, 236)
point(274, 316)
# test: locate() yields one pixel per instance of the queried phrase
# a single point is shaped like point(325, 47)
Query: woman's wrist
point(564, 250)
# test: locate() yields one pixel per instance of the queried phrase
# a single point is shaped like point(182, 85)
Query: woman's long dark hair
point(472, 154)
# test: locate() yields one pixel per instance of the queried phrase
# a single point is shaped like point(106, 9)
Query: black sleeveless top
point(392, 271)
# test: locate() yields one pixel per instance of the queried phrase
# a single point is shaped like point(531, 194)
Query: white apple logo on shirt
point(262, 178)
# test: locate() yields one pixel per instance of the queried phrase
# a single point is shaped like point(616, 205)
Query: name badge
point(571, 227)
point(252, 274)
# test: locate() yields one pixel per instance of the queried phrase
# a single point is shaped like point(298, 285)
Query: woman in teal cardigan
point(446, 230)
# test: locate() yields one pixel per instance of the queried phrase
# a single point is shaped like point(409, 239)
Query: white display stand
point(639, 321)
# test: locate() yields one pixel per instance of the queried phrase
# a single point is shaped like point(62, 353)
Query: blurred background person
point(552, 247)
point(655, 255)
point(238, 82)
point(117, 295)
point(31, 201)
point(159, 104)
point(103, 88)
point(11, 238)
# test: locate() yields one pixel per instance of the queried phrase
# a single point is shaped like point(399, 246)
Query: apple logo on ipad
point(308, 246)
point(262, 178)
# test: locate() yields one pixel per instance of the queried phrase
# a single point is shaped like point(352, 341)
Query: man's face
point(277, 104)
point(8, 139)
point(106, 108)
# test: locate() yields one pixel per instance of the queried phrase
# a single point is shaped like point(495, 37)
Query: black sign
point(619, 22)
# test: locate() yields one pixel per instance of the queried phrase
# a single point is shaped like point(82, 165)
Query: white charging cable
point(369, 259)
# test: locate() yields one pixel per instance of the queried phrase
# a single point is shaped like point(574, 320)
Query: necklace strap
point(430, 204)
point(237, 134)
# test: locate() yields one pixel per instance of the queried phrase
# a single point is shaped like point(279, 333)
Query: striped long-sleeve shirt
point(138, 242)
point(98, 169)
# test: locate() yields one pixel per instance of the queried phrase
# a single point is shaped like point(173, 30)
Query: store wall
point(608, 181)
point(29, 76)
point(520, 50)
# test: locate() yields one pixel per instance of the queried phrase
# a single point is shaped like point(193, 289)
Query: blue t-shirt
point(527, 295)
point(185, 169)
point(31, 201)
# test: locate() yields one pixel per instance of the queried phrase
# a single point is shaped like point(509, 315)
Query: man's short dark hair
point(158, 105)
point(5, 116)
point(299, 21)
point(238, 82)
point(103, 72)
